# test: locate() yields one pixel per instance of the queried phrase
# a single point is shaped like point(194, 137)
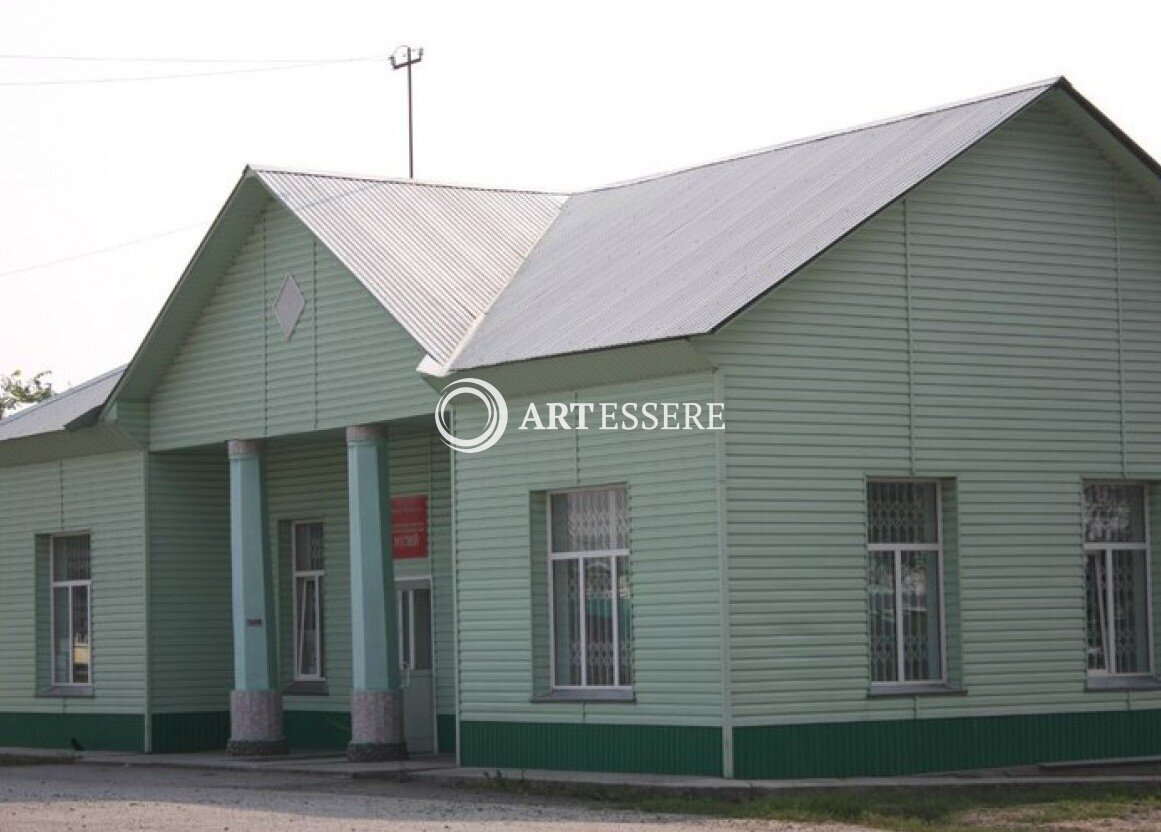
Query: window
point(414, 611)
point(905, 582)
point(1116, 578)
point(590, 601)
point(71, 610)
point(307, 552)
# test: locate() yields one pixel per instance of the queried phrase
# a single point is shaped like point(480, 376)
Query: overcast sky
point(554, 95)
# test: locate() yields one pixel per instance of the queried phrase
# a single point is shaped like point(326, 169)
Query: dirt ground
point(124, 799)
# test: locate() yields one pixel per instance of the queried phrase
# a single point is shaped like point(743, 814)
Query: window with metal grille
point(905, 582)
point(71, 609)
point(309, 571)
point(1117, 602)
point(590, 599)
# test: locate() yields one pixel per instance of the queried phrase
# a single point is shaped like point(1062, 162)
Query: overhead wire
point(81, 255)
point(280, 64)
point(112, 59)
point(281, 67)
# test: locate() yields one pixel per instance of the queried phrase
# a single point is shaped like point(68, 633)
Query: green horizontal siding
point(1000, 328)
point(236, 375)
point(816, 395)
point(94, 730)
point(305, 729)
point(196, 731)
point(307, 480)
point(104, 496)
point(446, 726)
point(317, 729)
point(190, 634)
point(670, 476)
point(433, 466)
point(892, 747)
point(659, 749)
point(101, 439)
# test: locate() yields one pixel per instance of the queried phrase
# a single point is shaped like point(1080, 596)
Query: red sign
point(409, 526)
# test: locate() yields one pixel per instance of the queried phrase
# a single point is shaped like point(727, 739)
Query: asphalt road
point(125, 799)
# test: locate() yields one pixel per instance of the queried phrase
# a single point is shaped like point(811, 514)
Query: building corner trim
point(146, 552)
point(720, 482)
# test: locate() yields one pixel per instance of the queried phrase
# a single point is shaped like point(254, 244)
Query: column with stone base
point(376, 697)
point(255, 702)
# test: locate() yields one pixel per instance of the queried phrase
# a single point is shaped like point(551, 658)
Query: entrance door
point(417, 665)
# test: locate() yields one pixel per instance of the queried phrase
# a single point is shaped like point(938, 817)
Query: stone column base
point(376, 726)
point(256, 724)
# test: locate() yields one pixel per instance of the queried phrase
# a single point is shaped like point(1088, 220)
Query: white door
point(417, 665)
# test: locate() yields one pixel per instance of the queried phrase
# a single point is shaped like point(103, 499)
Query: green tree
point(15, 391)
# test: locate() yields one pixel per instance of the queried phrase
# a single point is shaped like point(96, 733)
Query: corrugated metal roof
point(434, 255)
point(482, 276)
point(57, 412)
point(679, 254)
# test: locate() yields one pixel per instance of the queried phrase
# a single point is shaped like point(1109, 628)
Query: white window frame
point(318, 576)
point(581, 557)
point(407, 646)
point(1107, 550)
point(900, 684)
point(70, 585)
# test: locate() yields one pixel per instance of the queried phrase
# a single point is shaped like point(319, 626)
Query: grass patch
point(1015, 808)
point(955, 809)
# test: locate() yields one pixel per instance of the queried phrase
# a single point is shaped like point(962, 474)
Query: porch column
point(376, 698)
point(255, 702)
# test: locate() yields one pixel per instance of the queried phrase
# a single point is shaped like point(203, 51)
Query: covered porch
point(304, 594)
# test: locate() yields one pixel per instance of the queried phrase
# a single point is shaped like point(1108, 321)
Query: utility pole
point(402, 57)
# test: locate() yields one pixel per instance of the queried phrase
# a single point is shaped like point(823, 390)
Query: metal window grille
point(1118, 606)
point(71, 609)
point(308, 552)
point(905, 582)
point(590, 598)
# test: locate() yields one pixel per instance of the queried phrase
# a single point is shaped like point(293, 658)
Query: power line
point(97, 251)
point(168, 60)
point(174, 76)
point(325, 200)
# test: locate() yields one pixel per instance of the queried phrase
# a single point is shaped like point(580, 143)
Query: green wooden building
point(920, 540)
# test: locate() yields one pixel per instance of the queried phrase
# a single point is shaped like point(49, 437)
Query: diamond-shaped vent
point(288, 308)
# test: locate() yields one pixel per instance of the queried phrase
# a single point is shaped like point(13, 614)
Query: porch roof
point(64, 410)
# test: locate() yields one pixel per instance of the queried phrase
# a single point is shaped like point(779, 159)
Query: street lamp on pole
point(402, 57)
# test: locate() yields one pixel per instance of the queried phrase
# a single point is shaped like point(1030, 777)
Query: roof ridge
point(56, 397)
point(391, 180)
point(1046, 84)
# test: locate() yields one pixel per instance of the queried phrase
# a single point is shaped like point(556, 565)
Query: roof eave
point(88, 418)
point(1108, 124)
